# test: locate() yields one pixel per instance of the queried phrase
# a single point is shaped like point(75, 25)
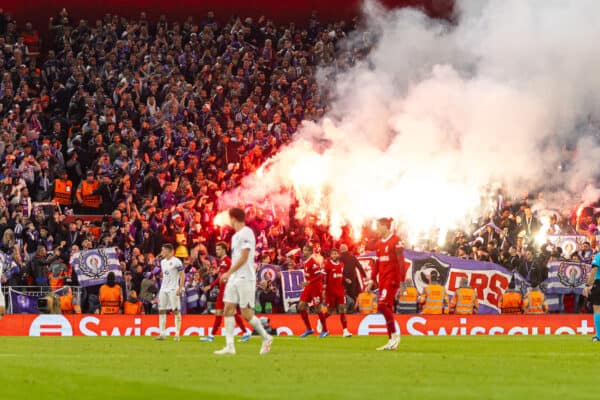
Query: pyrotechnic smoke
point(507, 95)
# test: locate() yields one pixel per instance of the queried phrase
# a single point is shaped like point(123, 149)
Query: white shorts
point(169, 301)
point(2, 303)
point(241, 292)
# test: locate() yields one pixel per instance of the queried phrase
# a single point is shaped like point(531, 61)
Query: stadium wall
point(39, 12)
point(198, 325)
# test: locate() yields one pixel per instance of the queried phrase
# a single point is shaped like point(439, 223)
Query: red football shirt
point(390, 261)
point(334, 272)
point(224, 265)
point(313, 273)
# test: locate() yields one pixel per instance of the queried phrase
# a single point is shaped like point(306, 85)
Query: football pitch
point(497, 367)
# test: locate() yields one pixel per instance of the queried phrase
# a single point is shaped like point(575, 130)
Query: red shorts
point(335, 299)
point(219, 304)
point(387, 294)
point(312, 293)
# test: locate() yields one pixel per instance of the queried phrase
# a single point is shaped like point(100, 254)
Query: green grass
point(334, 368)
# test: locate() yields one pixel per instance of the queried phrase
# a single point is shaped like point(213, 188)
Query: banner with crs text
point(489, 280)
point(291, 324)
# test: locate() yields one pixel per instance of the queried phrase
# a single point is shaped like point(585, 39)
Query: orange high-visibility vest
point(66, 304)
point(367, 303)
point(534, 303)
point(407, 300)
point(63, 190)
point(89, 199)
point(110, 299)
point(433, 299)
point(130, 308)
point(57, 282)
point(464, 301)
point(511, 303)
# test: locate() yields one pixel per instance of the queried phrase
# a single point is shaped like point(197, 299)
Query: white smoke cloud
point(439, 112)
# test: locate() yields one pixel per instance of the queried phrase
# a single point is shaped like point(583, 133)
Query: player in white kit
point(169, 296)
point(241, 283)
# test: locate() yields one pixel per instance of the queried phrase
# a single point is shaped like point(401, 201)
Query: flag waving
point(23, 303)
point(92, 266)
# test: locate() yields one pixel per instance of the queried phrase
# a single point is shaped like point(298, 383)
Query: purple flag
point(22, 303)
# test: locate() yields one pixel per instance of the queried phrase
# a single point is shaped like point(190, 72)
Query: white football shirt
point(243, 239)
point(170, 269)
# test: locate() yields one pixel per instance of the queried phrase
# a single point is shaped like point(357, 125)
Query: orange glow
point(221, 219)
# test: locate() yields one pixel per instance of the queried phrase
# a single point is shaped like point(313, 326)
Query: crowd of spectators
point(145, 124)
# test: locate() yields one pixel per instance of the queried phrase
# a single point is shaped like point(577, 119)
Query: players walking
point(313, 289)
point(241, 283)
point(333, 292)
point(387, 275)
point(224, 265)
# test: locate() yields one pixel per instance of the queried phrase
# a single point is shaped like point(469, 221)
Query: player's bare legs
point(267, 340)
point(248, 314)
point(162, 324)
point(303, 311)
point(217, 323)
point(394, 337)
point(229, 312)
point(239, 321)
point(177, 324)
point(323, 321)
point(341, 310)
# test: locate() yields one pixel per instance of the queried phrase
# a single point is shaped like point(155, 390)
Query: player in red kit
point(313, 288)
point(224, 265)
point(387, 275)
point(333, 289)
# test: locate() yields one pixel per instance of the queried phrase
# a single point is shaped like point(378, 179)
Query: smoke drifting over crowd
point(508, 94)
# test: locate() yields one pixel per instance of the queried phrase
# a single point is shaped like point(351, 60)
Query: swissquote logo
point(373, 324)
point(50, 325)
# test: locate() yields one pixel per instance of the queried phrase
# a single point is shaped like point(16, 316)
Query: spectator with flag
point(39, 266)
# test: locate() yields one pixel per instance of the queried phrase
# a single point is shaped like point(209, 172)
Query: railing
point(40, 292)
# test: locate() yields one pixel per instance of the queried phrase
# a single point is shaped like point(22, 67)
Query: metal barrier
point(40, 292)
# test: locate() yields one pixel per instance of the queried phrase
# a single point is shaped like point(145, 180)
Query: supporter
point(127, 285)
point(132, 306)
point(148, 292)
point(533, 269)
point(39, 266)
point(268, 293)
